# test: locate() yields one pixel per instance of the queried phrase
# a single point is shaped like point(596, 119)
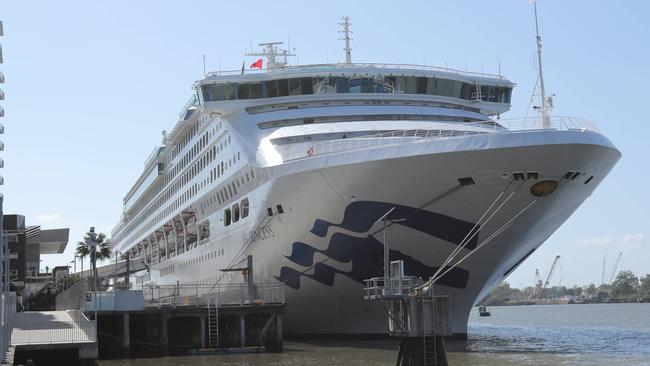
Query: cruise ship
point(296, 165)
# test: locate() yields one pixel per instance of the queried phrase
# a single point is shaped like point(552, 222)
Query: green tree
point(644, 286)
point(97, 244)
point(501, 295)
point(625, 285)
point(591, 289)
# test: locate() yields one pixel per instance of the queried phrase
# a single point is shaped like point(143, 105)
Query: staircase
point(213, 326)
point(435, 353)
point(429, 351)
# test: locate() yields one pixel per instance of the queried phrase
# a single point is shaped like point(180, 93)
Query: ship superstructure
point(295, 164)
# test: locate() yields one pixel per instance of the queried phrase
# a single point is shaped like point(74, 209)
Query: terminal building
point(26, 245)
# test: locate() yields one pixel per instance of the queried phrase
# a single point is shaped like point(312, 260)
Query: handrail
point(382, 287)
point(55, 332)
point(220, 294)
point(445, 130)
point(374, 65)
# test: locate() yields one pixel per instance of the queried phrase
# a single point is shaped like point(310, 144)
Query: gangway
point(55, 330)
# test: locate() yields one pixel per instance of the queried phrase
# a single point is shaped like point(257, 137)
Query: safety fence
point(7, 314)
point(203, 295)
point(442, 131)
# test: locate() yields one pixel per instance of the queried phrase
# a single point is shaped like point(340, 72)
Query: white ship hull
point(324, 243)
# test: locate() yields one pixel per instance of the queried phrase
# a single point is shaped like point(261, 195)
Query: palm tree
point(94, 246)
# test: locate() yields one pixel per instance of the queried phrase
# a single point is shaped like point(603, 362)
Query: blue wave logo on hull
point(366, 253)
point(359, 217)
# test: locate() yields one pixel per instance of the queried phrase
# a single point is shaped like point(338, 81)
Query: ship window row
point(240, 210)
point(169, 247)
point(171, 175)
point(165, 271)
point(209, 156)
point(237, 211)
point(189, 175)
point(185, 140)
point(342, 84)
point(226, 193)
point(182, 162)
point(223, 195)
point(202, 258)
point(208, 281)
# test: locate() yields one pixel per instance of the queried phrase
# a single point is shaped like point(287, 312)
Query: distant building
point(60, 271)
point(26, 244)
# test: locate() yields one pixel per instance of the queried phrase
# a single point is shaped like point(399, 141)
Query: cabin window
point(256, 90)
point(244, 207)
point(229, 92)
point(283, 87)
point(235, 212)
point(343, 84)
point(319, 85)
point(226, 217)
point(307, 86)
point(400, 85)
point(294, 87)
point(411, 85)
point(271, 89)
point(422, 85)
point(243, 91)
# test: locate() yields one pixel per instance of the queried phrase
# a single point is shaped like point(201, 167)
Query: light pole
point(74, 264)
point(90, 243)
point(117, 256)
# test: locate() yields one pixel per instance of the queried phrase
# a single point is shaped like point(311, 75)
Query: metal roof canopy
point(51, 241)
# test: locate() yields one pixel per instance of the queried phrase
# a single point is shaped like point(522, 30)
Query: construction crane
point(618, 262)
point(550, 275)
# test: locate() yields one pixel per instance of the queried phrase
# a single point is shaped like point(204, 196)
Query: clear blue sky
point(90, 85)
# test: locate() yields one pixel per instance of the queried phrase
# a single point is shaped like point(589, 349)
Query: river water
point(594, 334)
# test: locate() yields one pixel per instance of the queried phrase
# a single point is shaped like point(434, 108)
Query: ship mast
point(546, 102)
point(275, 56)
point(346, 37)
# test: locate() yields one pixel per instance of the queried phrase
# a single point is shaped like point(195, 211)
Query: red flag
point(257, 64)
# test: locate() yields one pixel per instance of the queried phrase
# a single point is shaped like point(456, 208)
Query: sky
point(90, 85)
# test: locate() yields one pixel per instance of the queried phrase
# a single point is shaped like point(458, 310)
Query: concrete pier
point(155, 331)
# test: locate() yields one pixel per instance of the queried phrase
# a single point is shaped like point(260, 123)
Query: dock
point(158, 320)
point(182, 319)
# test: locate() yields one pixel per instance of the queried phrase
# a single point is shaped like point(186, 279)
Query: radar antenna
point(346, 37)
point(546, 104)
point(275, 57)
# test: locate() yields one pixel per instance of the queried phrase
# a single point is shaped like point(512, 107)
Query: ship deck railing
point(328, 67)
point(444, 131)
point(378, 288)
point(53, 327)
point(210, 294)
